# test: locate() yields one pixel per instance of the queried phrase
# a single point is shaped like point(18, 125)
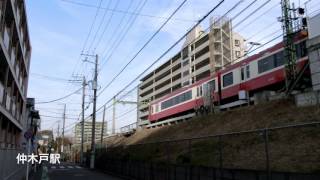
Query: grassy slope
point(296, 150)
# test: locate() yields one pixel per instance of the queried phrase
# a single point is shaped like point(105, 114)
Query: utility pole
point(115, 101)
point(58, 136)
point(102, 128)
point(94, 86)
point(114, 115)
point(63, 124)
point(82, 121)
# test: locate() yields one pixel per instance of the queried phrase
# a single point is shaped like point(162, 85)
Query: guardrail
point(129, 128)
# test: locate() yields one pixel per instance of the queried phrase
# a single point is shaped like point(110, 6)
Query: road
point(66, 171)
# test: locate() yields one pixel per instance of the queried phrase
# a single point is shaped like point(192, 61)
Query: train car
point(260, 72)
point(183, 100)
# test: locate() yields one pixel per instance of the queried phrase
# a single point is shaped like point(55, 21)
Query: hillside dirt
point(290, 150)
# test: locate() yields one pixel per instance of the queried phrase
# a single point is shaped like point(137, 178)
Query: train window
point(279, 59)
point(266, 64)
point(212, 84)
point(248, 71)
point(188, 95)
point(242, 73)
point(176, 100)
point(301, 49)
point(228, 79)
point(157, 108)
point(185, 63)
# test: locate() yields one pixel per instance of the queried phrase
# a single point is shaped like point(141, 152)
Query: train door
point(244, 76)
point(208, 92)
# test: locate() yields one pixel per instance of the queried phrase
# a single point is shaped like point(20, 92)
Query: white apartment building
point(202, 54)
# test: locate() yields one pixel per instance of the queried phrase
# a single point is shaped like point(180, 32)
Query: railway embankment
point(251, 137)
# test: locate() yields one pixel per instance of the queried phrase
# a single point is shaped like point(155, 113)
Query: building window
point(237, 54)
point(228, 79)
point(237, 42)
point(186, 83)
point(185, 52)
point(185, 62)
point(185, 73)
point(202, 40)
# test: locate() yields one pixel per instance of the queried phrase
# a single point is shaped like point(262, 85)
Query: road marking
point(70, 167)
point(53, 167)
point(78, 167)
point(61, 167)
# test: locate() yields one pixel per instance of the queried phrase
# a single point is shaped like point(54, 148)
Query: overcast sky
point(59, 29)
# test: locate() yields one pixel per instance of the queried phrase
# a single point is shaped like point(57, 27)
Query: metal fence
point(281, 153)
point(8, 163)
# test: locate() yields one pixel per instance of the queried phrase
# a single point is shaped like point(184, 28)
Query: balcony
point(142, 114)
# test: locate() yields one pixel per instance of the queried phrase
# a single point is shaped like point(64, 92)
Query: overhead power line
point(125, 12)
point(101, 22)
point(121, 35)
point(55, 117)
point(53, 78)
point(61, 98)
point(148, 41)
point(171, 47)
point(88, 36)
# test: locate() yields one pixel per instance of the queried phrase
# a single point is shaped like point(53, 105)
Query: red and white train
point(260, 72)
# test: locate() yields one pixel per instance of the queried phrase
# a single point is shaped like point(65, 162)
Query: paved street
point(74, 172)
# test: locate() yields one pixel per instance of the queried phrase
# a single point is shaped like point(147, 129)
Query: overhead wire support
point(289, 47)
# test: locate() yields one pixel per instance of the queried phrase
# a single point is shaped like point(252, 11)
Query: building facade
point(202, 54)
point(15, 51)
point(87, 134)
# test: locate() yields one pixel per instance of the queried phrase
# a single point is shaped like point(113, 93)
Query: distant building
point(15, 50)
point(45, 139)
point(202, 54)
point(87, 134)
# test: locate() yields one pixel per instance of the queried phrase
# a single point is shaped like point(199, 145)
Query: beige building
point(88, 132)
point(202, 54)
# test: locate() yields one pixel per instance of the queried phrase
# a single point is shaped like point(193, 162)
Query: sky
point(60, 30)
